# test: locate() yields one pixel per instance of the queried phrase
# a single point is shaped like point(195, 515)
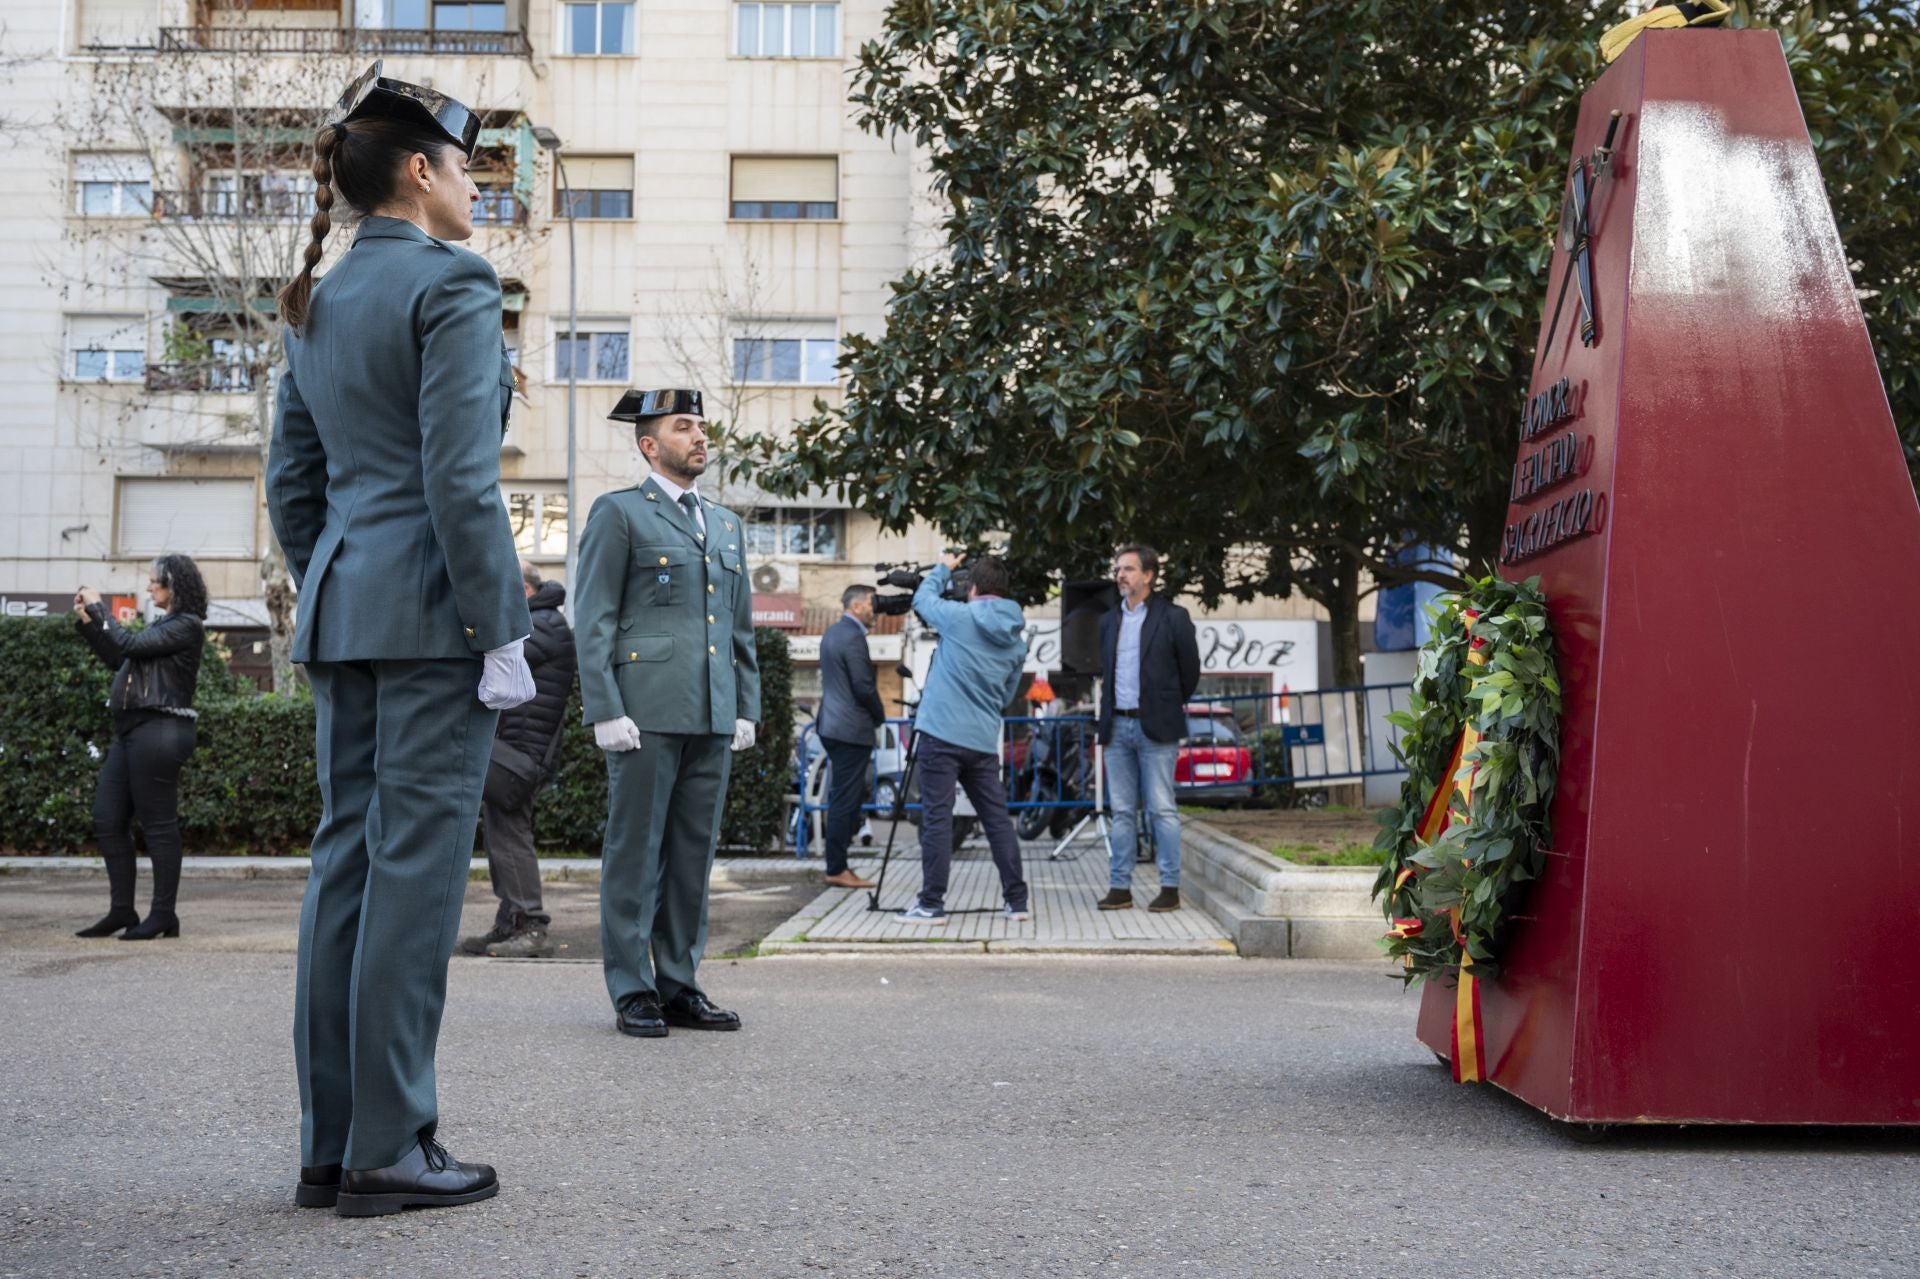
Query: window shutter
point(111, 166)
point(106, 333)
point(191, 517)
point(599, 173)
point(807, 179)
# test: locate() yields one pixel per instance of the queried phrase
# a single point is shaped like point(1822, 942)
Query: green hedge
point(249, 788)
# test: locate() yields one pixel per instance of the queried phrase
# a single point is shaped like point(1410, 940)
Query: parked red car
point(1212, 767)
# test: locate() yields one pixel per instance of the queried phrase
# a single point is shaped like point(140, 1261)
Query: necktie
point(692, 504)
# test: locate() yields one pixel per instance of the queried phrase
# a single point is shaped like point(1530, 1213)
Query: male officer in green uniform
point(663, 621)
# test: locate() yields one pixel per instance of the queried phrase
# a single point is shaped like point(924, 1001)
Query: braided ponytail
point(292, 299)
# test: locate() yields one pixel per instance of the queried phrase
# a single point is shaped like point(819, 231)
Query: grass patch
point(1351, 854)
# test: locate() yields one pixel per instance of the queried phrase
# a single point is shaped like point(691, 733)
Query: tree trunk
point(276, 583)
point(1342, 602)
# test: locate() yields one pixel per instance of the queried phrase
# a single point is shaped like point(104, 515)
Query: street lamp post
point(550, 141)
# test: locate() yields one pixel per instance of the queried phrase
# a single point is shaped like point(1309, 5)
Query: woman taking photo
point(383, 483)
point(154, 672)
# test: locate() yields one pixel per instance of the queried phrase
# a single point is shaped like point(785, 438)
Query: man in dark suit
point(1149, 667)
point(850, 714)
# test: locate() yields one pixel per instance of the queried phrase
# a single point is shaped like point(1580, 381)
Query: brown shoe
point(1116, 899)
point(1169, 899)
point(846, 879)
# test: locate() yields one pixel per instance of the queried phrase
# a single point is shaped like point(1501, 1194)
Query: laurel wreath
point(1466, 882)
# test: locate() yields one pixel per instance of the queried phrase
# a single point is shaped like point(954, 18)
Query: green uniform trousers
point(663, 820)
point(402, 755)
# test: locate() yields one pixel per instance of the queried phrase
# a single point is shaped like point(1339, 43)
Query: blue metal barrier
point(1236, 748)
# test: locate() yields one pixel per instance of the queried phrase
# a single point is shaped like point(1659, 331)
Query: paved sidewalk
point(781, 869)
point(1062, 895)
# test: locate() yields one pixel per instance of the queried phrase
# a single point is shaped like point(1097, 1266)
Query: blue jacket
point(383, 481)
point(976, 669)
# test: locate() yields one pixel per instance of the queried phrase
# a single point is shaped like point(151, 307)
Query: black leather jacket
point(155, 667)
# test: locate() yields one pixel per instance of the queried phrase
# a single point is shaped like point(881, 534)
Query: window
point(187, 517)
point(106, 348)
point(597, 352)
point(112, 184)
point(801, 352)
point(497, 206)
point(602, 186)
point(786, 187)
point(786, 30)
point(463, 16)
point(604, 28)
point(265, 193)
point(796, 530)
point(537, 513)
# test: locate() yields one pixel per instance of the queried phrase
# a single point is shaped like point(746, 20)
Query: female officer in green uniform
point(383, 484)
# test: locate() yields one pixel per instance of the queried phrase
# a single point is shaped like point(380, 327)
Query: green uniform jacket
point(383, 481)
point(662, 619)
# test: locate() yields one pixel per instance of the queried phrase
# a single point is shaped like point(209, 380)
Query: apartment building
point(710, 213)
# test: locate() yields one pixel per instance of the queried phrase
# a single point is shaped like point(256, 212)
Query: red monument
point(1711, 489)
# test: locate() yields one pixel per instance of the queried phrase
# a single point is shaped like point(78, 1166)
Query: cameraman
point(957, 730)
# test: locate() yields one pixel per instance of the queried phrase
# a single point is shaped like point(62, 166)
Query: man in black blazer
point(850, 714)
point(1149, 667)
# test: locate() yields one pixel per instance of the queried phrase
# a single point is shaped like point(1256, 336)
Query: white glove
point(743, 734)
point(617, 734)
point(506, 681)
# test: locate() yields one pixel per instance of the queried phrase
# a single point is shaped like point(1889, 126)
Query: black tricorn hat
point(635, 405)
point(375, 95)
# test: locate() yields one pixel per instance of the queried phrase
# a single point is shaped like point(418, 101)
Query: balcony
point(217, 377)
point(360, 41)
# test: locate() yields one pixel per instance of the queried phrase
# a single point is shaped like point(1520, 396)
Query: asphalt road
point(893, 1116)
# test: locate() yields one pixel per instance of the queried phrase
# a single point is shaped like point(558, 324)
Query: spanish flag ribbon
point(1469, 1046)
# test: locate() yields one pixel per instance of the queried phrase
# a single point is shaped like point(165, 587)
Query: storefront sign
point(1288, 650)
point(35, 604)
point(782, 612)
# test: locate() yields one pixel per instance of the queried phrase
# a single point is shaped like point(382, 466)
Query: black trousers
point(846, 793)
point(942, 766)
point(141, 779)
point(506, 824)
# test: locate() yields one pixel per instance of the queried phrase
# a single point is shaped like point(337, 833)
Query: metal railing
point(220, 376)
point(1261, 747)
point(355, 40)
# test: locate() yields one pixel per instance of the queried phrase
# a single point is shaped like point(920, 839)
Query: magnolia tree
point(1258, 282)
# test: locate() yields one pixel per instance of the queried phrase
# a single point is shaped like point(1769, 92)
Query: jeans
point(1139, 767)
point(506, 824)
point(141, 778)
point(846, 793)
point(941, 765)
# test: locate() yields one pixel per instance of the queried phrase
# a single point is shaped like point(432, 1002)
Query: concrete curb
point(1273, 908)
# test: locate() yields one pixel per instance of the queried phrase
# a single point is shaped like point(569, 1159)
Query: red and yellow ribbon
point(1468, 1041)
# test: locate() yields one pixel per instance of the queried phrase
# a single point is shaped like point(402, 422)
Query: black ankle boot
point(156, 924)
point(112, 922)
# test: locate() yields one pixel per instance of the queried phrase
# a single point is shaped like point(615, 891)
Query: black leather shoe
point(639, 1015)
point(319, 1186)
point(157, 924)
point(694, 1011)
point(110, 923)
point(427, 1177)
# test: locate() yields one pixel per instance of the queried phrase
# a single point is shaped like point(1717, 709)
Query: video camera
point(907, 578)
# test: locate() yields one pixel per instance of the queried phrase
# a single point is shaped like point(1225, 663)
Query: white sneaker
point(1018, 914)
point(918, 914)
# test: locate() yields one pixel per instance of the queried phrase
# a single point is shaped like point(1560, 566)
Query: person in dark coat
point(155, 670)
point(850, 714)
point(525, 749)
point(1149, 667)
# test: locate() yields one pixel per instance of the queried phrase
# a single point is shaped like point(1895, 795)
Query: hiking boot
point(529, 943)
point(1116, 899)
point(1169, 899)
point(478, 945)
